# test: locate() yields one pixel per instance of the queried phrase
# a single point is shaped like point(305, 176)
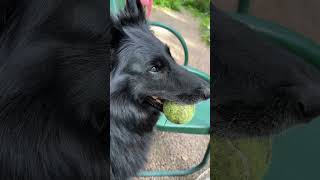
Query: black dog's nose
point(205, 91)
point(309, 102)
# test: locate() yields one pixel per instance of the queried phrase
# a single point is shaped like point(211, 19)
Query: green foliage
point(240, 159)
point(171, 4)
point(199, 8)
point(205, 29)
point(204, 23)
point(202, 6)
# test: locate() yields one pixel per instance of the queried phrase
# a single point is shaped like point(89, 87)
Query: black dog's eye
point(168, 50)
point(154, 69)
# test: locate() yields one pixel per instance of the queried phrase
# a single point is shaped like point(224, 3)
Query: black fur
point(53, 87)
point(260, 89)
point(142, 67)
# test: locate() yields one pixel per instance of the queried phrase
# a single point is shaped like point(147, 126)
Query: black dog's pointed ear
point(133, 13)
point(115, 42)
point(135, 9)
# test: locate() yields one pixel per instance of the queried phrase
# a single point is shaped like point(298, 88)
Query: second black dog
point(260, 89)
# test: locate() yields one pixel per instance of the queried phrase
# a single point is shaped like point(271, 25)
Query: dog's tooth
point(155, 97)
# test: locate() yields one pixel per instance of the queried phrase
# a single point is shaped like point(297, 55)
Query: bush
point(171, 4)
point(201, 5)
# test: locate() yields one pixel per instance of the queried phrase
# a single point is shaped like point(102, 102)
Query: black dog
point(260, 89)
point(53, 87)
point(143, 74)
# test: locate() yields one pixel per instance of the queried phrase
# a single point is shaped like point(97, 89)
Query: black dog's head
point(260, 88)
point(145, 66)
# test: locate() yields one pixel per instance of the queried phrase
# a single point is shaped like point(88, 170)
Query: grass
point(198, 8)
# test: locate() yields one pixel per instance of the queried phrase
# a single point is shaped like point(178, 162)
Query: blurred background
point(294, 154)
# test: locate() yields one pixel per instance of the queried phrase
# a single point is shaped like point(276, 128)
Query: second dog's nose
point(309, 102)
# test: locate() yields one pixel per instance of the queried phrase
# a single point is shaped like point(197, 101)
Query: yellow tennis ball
point(178, 113)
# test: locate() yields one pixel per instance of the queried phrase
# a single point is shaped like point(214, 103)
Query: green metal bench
point(200, 124)
point(294, 42)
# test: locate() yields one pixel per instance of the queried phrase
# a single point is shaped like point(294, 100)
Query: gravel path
point(171, 150)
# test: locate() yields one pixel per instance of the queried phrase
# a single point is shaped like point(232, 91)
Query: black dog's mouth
point(155, 102)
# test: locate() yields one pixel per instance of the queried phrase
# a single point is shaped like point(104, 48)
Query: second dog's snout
point(308, 101)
